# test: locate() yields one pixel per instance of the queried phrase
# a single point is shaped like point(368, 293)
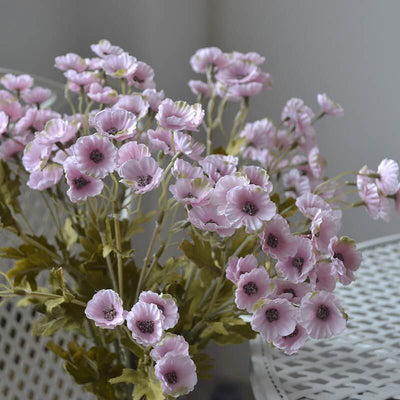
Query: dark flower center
point(272, 314)
point(145, 326)
point(112, 131)
point(96, 156)
point(137, 79)
point(160, 307)
point(143, 180)
point(171, 377)
point(293, 334)
point(272, 241)
point(323, 312)
point(298, 263)
point(109, 313)
point(339, 256)
point(80, 182)
point(249, 208)
point(210, 221)
point(250, 288)
point(190, 196)
point(289, 290)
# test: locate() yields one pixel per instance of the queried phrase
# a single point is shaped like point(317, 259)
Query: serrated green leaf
point(50, 304)
point(128, 376)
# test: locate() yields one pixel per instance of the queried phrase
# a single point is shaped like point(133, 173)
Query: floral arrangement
point(244, 236)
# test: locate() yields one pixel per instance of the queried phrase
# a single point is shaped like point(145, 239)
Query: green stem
point(109, 263)
point(117, 229)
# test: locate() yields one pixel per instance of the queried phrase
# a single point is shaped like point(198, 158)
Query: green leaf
point(69, 234)
point(50, 304)
point(148, 387)
point(132, 347)
point(107, 249)
point(235, 146)
point(128, 376)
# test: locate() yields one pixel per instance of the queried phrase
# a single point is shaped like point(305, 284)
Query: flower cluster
point(148, 321)
point(261, 219)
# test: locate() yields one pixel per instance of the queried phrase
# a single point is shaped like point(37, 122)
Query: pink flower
point(17, 83)
point(95, 155)
point(9, 148)
point(328, 106)
point(251, 287)
point(143, 77)
point(154, 98)
point(297, 116)
point(321, 315)
point(200, 88)
point(275, 318)
point(160, 139)
point(208, 57)
point(132, 151)
point(259, 135)
point(291, 343)
point(183, 169)
point(104, 48)
point(119, 66)
point(46, 177)
point(216, 166)
point(170, 344)
point(179, 115)
point(143, 175)
point(37, 95)
point(309, 204)
point(293, 292)
point(316, 162)
point(105, 309)
point(3, 122)
point(239, 72)
point(297, 266)
point(81, 79)
point(35, 156)
point(166, 304)
point(251, 57)
point(134, 103)
point(206, 218)
point(81, 186)
point(70, 61)
point(94, 63)
point(10, 105)
point(276, 238)
point(145, 321)
point(57, 130)
point(369, 193)
point(103, 95)
point(177, 374)
point(239, 266)
point(258, 176)
point(324, 226)
point(115, 123)
point(42, 116)
point(345, 258)
point(186, 145)
point(249, 206)
point(222, 187)
point(323, 277)
point(295, 184)
point(389, 177)
point(195, 192)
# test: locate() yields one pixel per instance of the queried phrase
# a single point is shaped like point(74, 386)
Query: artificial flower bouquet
point(236, 233)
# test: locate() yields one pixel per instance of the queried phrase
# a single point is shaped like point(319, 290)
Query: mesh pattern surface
point(361, 364)
point(28, 370)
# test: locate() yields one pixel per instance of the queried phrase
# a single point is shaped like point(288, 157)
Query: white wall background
point(348, 49)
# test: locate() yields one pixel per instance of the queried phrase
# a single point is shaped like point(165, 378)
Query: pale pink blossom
point(195, 192)
point(35, 156)
point(258, 176)
point(132, 151)
point(3, 122)
point(297, 116)
point(177, 374)
point(251, 56)
point(143, 77)
point(46, 177)
point(43, 116)
point(38, 95)
point(102, 95)
point(9, 148)
point(81, 79)
point(174, 344)
point(94, 63)
point(154, 98)
point(119, 66)
point(249, 206)
point(297, 266)
point(145, 321)
point(274, 319)
point(295, 183)
point(324, 227)
point(239, 72)
point(251, 287)
point(95, 155)
point(17, 83)
point(142, 175)
point(237, 266)
point(134, 103)
point(290, 344)
point(10, 105)
point(27, 121)
point(217, 166)
point(183, 169)
point(321, 315)
point(309, 204)
point(293, 292)
point(104, 48)
point(57, 130)
point(166, 304)
point(316, 162)
point(200, 88)
point(259, 135)
point(388, 181)
point(328, 106)
point(208, 57)
point(369, 193)
point(323, 277)
point(160, 139)
point(105, 309)
point(81, 186)
point(70, 61)
point(276, 238)
point(179, 115)
point(188, 146)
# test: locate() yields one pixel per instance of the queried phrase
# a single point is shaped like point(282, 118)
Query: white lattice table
point(361, 364)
